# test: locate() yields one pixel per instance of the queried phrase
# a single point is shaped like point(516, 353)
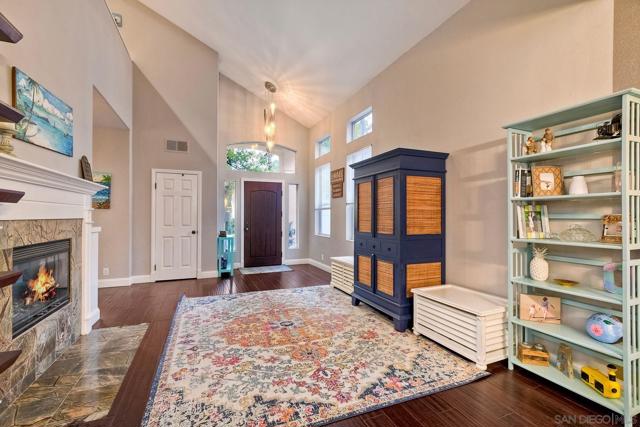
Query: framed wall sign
point(337, 181)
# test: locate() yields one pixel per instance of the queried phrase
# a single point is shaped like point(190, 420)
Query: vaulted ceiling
point(318, 52)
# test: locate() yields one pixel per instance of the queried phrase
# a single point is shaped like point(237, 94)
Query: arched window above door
point(254, 157)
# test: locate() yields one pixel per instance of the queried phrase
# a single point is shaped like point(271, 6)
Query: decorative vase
point(578, 186)
point(7, 130)
point(539, 267)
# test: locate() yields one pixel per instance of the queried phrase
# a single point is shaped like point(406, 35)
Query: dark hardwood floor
point(506, 398)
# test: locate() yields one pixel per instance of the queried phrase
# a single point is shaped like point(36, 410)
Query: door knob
point(193, 231)
point(246, 228)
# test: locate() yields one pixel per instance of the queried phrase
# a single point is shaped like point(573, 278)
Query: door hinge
point(154, 267)
point(155, 185)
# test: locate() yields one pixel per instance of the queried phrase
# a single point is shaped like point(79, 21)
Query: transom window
point(360, 125)
point(254, 157)
point(323, 146)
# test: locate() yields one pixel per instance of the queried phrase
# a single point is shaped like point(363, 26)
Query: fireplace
point(44, 286)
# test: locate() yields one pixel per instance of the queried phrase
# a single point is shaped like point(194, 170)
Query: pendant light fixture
point(270, 115)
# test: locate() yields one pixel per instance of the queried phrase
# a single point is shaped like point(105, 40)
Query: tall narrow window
point(352, 158)
point(360, 125)
point(292, 239)
point(323, 200)
point(323, 146)
point(230, 207)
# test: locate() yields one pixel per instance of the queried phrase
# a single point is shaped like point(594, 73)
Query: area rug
point(292, 357)
point(268, 269)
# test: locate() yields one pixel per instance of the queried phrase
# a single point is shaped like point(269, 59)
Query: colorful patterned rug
point(292, 357)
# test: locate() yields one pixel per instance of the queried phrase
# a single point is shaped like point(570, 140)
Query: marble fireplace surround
point(55, 206)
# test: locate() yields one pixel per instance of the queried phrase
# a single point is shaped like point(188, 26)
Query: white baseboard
point(297, 261)
point(320, 265)
point(145, 278)
point(208, 274)
point(114, 283)
point(89, 321)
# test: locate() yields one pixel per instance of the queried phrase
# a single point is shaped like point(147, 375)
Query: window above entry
point(254, 157)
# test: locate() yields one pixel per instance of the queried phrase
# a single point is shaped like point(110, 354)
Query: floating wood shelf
point(8, 33)
point(8, 278)
point(10, 196)
point(9, 114)
point(8, 358)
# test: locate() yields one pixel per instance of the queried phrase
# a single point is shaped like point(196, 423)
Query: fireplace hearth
point(44, 286)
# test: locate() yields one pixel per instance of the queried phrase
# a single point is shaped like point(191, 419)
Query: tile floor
point(81, 384)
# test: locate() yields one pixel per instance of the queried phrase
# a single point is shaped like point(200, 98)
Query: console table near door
point(399, 241)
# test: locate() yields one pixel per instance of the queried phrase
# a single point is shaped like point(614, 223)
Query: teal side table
point(225, 255)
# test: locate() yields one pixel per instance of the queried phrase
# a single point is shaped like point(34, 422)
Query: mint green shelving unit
point(627, 305)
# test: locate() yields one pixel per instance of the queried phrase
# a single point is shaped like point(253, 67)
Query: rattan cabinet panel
point(400, 230)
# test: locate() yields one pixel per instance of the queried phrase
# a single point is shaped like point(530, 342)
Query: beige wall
point(69, 46)
point(626, 48)
point(492, 63)
point(241, 120)
point(154, 123)
point(111, 154)
point(183, 70)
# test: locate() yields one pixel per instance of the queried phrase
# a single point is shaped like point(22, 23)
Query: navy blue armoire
point(399, 234)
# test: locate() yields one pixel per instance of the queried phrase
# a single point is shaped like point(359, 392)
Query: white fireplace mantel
point(50, 194)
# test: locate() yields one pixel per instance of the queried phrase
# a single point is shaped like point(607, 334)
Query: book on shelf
point(522, 182)
point(533, 221)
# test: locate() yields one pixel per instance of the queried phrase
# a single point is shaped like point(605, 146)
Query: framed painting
point(48, 121)
point(102, 199)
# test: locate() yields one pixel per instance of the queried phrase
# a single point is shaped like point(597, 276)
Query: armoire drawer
point(388, 249)
point(373, 246)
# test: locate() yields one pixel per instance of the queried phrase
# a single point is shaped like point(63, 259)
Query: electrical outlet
point(105, 271)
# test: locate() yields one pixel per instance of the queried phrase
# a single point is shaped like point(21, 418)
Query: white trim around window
point(322, 190)
point(350, 216)
point(360, 125)
point(323, 146)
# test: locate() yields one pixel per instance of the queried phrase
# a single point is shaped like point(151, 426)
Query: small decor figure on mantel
point(530, 146)
point(546, 143)
point(7, 130)
point(539, 267)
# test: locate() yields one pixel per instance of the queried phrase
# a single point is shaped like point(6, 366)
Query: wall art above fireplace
point(44, 286)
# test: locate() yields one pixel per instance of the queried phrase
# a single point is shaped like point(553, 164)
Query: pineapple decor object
point(539, 267)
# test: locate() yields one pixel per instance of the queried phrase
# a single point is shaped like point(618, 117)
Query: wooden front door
point(262, 223)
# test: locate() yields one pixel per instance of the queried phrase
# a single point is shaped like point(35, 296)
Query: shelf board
point(606, 104)
point(576, 291)
point(10, 196)
point(8, 32)
point(573, 336)
point(589, 148)
point(610, 195)
point(8, 278)
point(595, 245)
point(9, 114)
point(575, 385)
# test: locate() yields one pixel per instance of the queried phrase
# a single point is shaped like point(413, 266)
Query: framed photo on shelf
point(612, 229)
point(547, 180)
point(540, 308)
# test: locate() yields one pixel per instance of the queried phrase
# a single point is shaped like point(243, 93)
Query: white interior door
point(176, 226)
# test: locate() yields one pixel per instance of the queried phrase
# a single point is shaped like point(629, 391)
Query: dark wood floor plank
point(504, 399)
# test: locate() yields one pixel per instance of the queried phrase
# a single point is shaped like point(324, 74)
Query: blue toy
point(604, 328)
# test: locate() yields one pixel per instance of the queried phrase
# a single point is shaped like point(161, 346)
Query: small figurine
point(530, 146)
point(547, 141)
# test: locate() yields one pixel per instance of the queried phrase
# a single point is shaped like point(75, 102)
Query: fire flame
point(42, 287)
